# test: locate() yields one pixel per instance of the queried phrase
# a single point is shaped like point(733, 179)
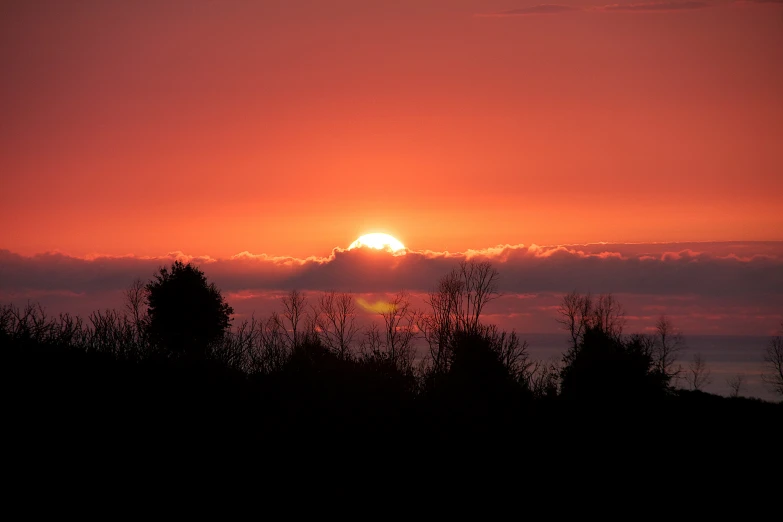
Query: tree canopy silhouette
point(606, 368)
point(186, 313)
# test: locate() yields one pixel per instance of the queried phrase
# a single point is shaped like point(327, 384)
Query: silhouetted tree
point(114, 333)
point(294, 320)
point(271, 353)
point(455, 308)
point(512, 352)
point(479, 286)
point(608, 315)
point(773, 362)
point(668, 344)
point(481, 367)
point(441, 323)
point(543, 378)
point(574, 311)
point(395, 341)
point(336, 322)
point(135, 298)
point(735, 384)
point(605, 368)
point(240, 346)
point(32, 326)
point(580, 313)
point(186, 313)
point(698, 374)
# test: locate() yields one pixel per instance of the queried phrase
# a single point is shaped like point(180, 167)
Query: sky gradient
point(292, 127)
point(632, 148)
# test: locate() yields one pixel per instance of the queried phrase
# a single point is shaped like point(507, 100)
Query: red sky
point(134, 133)
point(290, 127)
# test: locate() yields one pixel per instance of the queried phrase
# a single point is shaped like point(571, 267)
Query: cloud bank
point(721, 288)
point(751, 270)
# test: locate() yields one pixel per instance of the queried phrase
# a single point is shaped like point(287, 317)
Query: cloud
point(656, 6)
point(699, 284)
point(705, 269)
point(541, 9)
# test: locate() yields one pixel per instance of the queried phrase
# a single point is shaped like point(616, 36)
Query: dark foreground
point(68, 401)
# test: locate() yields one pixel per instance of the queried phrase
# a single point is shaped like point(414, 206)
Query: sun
point(379, 242)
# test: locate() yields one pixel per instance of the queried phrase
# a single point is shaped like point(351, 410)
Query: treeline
point(173, 359)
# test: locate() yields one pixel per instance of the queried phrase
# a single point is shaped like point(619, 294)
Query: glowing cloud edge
point(379, 241)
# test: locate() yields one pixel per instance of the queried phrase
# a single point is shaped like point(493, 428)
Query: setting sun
point(379, 242)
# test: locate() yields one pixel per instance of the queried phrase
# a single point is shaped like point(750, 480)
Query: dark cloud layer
point(741, 270)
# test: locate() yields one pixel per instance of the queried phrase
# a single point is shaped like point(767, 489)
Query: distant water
point(726, 356)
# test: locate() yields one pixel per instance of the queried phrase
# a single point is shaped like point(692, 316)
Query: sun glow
point(379, 242)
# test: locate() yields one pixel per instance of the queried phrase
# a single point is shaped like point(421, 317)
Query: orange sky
point(290, 127)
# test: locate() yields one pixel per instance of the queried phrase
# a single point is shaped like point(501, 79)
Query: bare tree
point(400, 328)
point(394, 343)
point(135, 299)
point(578, 313)
point(608, 316)
point(773, 363)
point(439, 326)
point(336, 322)
point(698, 374)
point(272, 352)
point(574, 311)
point(256, 346)
point(372, 343)
point(644, 342)
point(309, 333)
point(456, 306)
point(479, 287)
point(112, 332)
point(294, 318)
point(543, 378)
point(668, 344)
point(735, 384)
point(512, 352)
